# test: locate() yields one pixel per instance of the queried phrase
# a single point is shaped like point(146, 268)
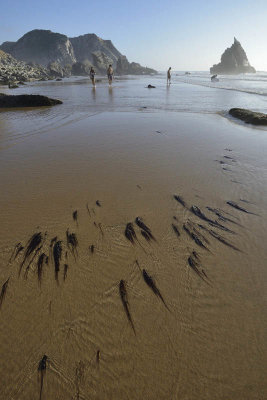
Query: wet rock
point(26, 100)
point(151, 87)
point(250, 117)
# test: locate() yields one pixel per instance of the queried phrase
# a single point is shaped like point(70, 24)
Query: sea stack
point(233, 61)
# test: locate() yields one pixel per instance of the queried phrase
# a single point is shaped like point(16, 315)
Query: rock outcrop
point(64, 56)
point(233, 61)
point(42, 47)
point(86, 47)
point(124, 67)
point(26, 100)
point(250, 117)
point(12, 70)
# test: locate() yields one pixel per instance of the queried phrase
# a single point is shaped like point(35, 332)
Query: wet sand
point(211, 343)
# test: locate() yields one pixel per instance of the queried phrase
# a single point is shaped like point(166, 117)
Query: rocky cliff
point(12, 70)
point(42, 47)
point(233, 61)
point(66, 56)
point(86, 46)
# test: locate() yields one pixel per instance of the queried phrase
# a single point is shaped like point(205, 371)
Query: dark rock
point(58, 79)
point(151, 87)
point(26, 100)
point(250, 117)
point(233, 61)
point(124, 67)
point(12, 85)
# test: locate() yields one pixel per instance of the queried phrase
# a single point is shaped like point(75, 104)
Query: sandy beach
point(114, 155)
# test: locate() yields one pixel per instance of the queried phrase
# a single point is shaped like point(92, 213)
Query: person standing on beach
point(110, 74)
point(92, 75)
point(169, 76)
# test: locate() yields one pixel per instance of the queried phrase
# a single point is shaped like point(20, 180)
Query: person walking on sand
point(169, 76)
point(92, 76)
point(110, 74)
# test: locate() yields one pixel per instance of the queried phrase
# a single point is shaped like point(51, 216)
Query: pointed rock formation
point(233, 61)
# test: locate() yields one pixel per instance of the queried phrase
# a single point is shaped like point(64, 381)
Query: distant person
point(110, 74)
point(92, 76)
point(169, 76)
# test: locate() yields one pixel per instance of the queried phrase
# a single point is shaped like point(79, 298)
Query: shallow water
point(103, 146)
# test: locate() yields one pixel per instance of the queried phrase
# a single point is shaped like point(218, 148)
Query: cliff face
point(13, 70)
point(86, 46)
point(41, 47)
point(233, 61)
point(61, 54)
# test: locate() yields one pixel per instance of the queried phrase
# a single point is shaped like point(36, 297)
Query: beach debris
point(176, 230)
point(75, 216)
point(139, 222)
point(218, 237)
point(98, 203)
point(42, 258)
point(88, 210)
point(3, 292)
point(220, 216)
point(72, 242)
point(229, 158)
point(194, 265)
point(150, 282)
point(42, 370)
point(97, 356)
point(237, 207)
point(139, 187)
point(65, 271)
point(196, 211)
point(130, 232)
point(14, 251)
point(124, 299)
point(32, 245)
point(174, 217)
point(31, 261)
point(151, 87)
point(19, 250)
point(180, 200)
point(57, 251)
point(192, 226)
point(145, 235)
point(92, 248)
point(193, 236)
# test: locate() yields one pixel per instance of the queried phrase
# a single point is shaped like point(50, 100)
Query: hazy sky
point(184, 34)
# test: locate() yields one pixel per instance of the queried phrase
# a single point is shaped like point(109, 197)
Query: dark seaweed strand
point(31, 261)
point(176, 230)
point(194, 267)
point(42, 370)
point(3, 292)
point(140, 223)
point(124, 299)
point(218, 237)
point(57, 252)
point(33, 243)
point(220, 216)
point(180, 200)
point(65, 271)
point(40, 263)
point(237, 207)
point(88, 210)
point(194, 237)
point(196, 211)
point(145, 235)
point(150, 282)
point(130, 232)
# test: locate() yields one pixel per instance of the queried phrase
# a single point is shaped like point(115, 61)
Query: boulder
point(26, 100)
point(233, 61)
point(248, 116)
point(151, 87)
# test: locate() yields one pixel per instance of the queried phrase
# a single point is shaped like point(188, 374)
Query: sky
point(183, 34)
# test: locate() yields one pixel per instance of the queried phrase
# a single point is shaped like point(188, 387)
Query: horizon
point(181, 40)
